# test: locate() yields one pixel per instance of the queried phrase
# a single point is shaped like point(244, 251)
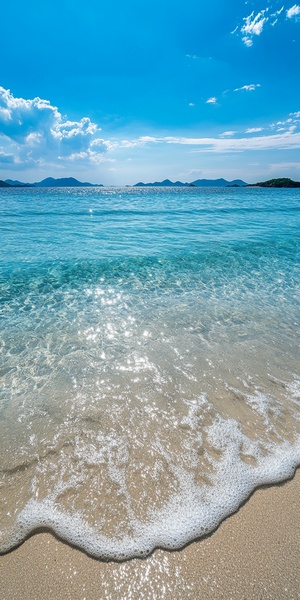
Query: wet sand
point(254, 554)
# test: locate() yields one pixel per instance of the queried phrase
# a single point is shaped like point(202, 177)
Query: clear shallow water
point(149, 360)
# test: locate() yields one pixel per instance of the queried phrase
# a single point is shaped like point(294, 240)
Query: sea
point(149, 360)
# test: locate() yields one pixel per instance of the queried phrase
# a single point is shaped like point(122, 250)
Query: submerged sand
point(254, 554)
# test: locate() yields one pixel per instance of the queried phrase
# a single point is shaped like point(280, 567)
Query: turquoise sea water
point(149, 352)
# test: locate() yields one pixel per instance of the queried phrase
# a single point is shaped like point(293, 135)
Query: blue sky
point(116, 92)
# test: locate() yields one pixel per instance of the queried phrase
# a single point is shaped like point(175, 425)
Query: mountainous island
point(72, 182)
point(281, 182)
point(65, 182)
point(50, 182)
point(198, 183)
point(165, 183)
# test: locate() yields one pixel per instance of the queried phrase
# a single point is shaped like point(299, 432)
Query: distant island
point(65, 182)
point(282, 182)
point(50, 182)
point(72, 182)
point(4, 184)
point(198, 183)
point(165, 183)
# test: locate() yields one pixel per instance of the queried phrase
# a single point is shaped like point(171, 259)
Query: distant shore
point(253, 554)
point(282, 182)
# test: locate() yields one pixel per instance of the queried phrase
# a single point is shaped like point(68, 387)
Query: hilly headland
point(281, 182)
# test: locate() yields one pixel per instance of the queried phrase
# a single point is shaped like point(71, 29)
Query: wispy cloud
point(6, 158)
point(232, 141)
point(254, 129)
point(293, 121)
point(253, 26)
point(293, 11)
point(227, 133)
point(248, 88)
point(278, 12)
point(247, 41)
point(255, 23)
point(245, 88)
point(277, 167)
point(275, 16)
point(287, 140)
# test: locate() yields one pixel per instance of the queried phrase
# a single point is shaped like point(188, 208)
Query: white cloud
point(287, 140)
point(6, 158)
point(254, 130)
point(247, 41)
point(284, 122)
point(277, 12)
point(293, 11)
point(276, 15)
point(212, 100)
point(253, 26)
point(87, 157)
point(227, 133)
point(289, 124)
point(33, 138)
point(248, 88)
point(285, 165)
point(191, 104)
point(4, 113)
point(255, 23)
point(35, 132)
point(70, 129)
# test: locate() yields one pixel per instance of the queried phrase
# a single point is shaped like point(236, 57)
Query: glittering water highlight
point(149, 360)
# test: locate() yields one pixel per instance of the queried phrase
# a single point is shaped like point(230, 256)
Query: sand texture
point(254, 554)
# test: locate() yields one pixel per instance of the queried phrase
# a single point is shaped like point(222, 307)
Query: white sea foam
point(190, 513)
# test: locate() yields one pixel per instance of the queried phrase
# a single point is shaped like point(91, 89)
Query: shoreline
point(254, 553)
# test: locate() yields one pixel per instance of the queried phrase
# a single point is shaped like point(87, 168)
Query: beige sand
point(254, 554)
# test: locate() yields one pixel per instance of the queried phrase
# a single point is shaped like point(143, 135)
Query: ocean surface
point(149, 360)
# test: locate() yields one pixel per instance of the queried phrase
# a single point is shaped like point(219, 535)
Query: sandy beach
point(255, 553)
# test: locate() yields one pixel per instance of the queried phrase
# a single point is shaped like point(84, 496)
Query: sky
point(116, 92)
